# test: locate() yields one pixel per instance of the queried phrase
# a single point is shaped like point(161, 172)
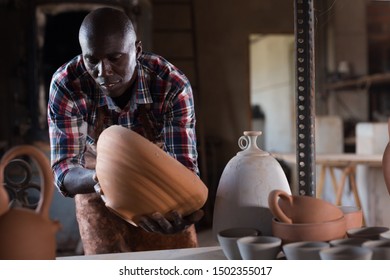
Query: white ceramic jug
point(242, 194)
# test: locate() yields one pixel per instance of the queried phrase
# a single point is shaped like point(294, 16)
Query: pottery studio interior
point(303, 83)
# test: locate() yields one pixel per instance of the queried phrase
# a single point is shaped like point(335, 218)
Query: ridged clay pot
point(27, 234)
point(138, 178)
point(243, 189)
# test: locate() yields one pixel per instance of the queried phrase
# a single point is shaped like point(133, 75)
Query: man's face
point(111, 61)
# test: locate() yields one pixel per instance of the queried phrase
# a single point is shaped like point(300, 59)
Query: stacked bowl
point(304, 218)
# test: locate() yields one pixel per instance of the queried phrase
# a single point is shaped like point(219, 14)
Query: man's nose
point(104, 68)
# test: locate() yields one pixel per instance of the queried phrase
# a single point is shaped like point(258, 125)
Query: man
point(114, 82)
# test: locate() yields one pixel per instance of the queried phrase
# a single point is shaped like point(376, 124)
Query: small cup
point(385, 235)
point(228, 240)
point(357, 242)
point(346, 253)
point(304, 250)
point(372, 233)
point(353, 216)
point(259, 247)
point(380, 249)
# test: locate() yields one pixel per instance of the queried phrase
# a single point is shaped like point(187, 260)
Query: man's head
point(108, 43)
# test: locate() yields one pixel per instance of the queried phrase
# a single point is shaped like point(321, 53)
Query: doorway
point(272, 90)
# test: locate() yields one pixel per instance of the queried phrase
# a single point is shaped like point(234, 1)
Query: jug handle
point(46, 193)
point(273, 204)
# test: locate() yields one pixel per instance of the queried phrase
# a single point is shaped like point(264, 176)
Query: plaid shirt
point(78, 111)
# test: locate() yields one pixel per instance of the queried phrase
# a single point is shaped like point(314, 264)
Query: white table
point(201, 253)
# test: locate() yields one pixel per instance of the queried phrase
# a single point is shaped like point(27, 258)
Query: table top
point(337, 159)
point(200, 253)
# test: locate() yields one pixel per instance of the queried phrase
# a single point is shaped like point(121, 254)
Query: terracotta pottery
point(242, 194)
point(138, 178)
point(324, 231)
point(301, 209)
point(24, 233)
point(386, 162)
point(4, 199)
point(353, 216)
point(372, 233)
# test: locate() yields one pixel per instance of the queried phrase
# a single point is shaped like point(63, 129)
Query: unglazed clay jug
point(25, 233)
point(242, 194)
point(138, 178)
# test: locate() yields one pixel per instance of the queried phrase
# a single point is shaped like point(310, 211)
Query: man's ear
point(138, 48)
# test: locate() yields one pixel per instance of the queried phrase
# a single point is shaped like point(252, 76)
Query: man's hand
point(172, 223)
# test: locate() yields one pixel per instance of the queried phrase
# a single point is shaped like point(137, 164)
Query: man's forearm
point(79, 180)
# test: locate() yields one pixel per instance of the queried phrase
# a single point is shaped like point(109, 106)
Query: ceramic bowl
point(138, 178)
point(380, 249)
point(346, 253)
point(372, 233)
point(353, 216)
point(259, 247)
point(304, 250)
point(325, 231)
point(228, 240)
point(347, 242)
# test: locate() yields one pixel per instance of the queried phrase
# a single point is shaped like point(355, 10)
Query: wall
point(223, 29)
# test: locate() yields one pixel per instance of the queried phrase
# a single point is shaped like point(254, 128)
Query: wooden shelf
point(362, 82)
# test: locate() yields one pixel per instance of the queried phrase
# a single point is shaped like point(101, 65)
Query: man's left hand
point(171, 223)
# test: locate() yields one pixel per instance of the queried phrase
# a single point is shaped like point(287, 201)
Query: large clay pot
point(301, 209)
point(138, 178)
point(386, 162)
point(242, 194)
point(25, 233)
point(4, 200)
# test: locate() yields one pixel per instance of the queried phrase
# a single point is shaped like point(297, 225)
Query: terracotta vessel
point(138, 178)
point(4, 200)
point(386, 162)
point(242, 194)
point(24, 233)
point(301, 209)
point(324, 231)
point(353, 216)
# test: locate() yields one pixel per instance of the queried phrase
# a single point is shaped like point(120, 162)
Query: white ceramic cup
point(348, 242)
point(372, 233)
point(380, 249)
point(228, 240)
point(304, 250)
point(346, 253)
point(259, 247)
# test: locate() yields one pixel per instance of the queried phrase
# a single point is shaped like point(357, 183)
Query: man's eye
point(91, 60)
point(115, 57)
